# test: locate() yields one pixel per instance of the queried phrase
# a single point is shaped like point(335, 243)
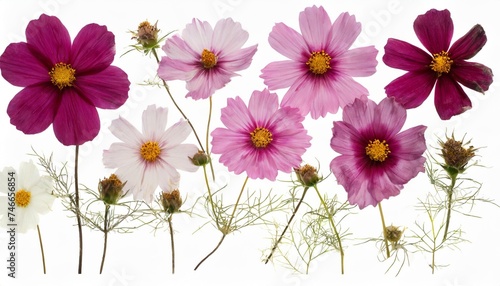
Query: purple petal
point(228, 37)
point(107, 89)
point(469, 45)
point(346, 139)
point(33, 109)
point(316, 27)
point(389, 118)
point(412, 88)
point(288, 42)
point(405, 56)
point(450, 98)
point(282, 74)
point(434, 29)
point(360, 114)
point(49, 39)
point(262, 105)
point(410, 144)
point(76, 120)
point(31, 70)
point(357, 62)
point(472, 75)
point(93, 49)
point(344, 30)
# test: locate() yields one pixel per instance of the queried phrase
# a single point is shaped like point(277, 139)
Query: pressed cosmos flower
point(152, 158)
point(63, 82)
point(260, 138)
point(375, 160)
point(32, 197)
point(320, 69)
point(445, 66)
point(206, 58)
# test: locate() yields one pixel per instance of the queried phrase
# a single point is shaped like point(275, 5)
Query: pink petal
point(235, 116)
point(282, 74)
point(225, 141)
point(206, 82)
point(300, 95)
point(345, 30)
point(228, 37)
point(51, 40)
point(469, 45)
point(122, 155)
point(472, 75)
point(434, 29)
point(170, 69)
point(126, 132)
point(288, 42)
point(389, 118)
point(315, 26)
point(326, 99)
point(410, 144)
point(238, 60)
point(175, 134)
point(33, 109)
point(450, 99)
point(405, 56)
point(76, 120)
point(154, 122)
point(178, 157)
point(177, 49)
point(93, 49)
point(412, 88)
point(107, 89)
point(198, 35)
point(262, 105)
point(346, 89)
point(346, 140)
point(360, 114)
point(357, 62)
point(31, 70)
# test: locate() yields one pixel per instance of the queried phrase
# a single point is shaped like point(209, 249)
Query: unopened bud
point(171, 201)
point(200, 159)
point(307, 175)
point(111, 189)
point(456, 155)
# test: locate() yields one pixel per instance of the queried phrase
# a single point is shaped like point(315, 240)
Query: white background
point(144, 257)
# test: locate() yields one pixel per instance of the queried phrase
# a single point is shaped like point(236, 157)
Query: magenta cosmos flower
point(375, 160)
point(151, 158)
point(206, 58)
point(444, 67)
point(262, 138)
point(321, 67)
point(63, 82)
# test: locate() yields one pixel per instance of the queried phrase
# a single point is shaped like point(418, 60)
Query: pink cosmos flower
point(262, 138)
point(375, 160)
point(445, 66)
point(63, 82)
point(151, 158)
point(206, 58)
point(321, 66)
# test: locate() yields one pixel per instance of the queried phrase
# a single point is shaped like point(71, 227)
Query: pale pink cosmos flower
point(260, 138)
point(151, 158)
point(206, 58)
point(321, 67)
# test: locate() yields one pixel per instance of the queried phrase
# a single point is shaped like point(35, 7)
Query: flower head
point(171, 201)
point(63, 82)
point(444, 66)
point(111, 189)
point(320, 69)
point(260, 138)
point(455, 154)
point(376, 159)
point(206, 58)
point(146, 35)
point(151, 158)
point(307, 175)
point(32, 197)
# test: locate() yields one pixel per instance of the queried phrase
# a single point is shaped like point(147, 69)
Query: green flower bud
point(111, 189)
point(171, 201)
point(307, 175)
point(200, 159)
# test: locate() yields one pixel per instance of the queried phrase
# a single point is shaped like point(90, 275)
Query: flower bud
point(146, 35)
point(307, 175)
point(393, 234)
point(171, 201)
point(200, 159)
point(456, 155)
point(111, 189)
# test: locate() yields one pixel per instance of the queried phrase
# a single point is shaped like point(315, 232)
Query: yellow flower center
point(208, 59)
point(319, 62)
point(377, 150)
point(62, 75)
point(441, 63)
point(261, 137)
point(23, 198)
point(150, 151)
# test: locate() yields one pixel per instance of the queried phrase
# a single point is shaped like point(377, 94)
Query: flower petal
point(28, 71)
point(33, 109)
point(357, 62)
point(121, 155)
point(126, 132)
point(390, 116)
point(238, 60)
point(228, 37)
point(405, 56)
point(154, 122)
point(28, 175)
point(262, 106)
point(176, 48)
point(412, 88)
point(316, 26)
point(50, 39)
point(469, 45)
point(170, 69)
point(178, 157)
point(472, 75)
point(345, 30)
point(450, 98)
point(346, 139)
point(282, 74)
point(93, 49)
point(76, 120)
point(198, 35)
point(206, 82)
point(288, 42)
point(434, 29)
point(175, 134)
point(107, 89)
point(235, 116)
point(410, 144)
point(346, 90)
point(300, 95)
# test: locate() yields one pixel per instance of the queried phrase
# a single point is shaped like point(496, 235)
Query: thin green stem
point(106, 223)
point(41, 249)
point(433, 265)
point(388, 251)
point(172, 245)
point(77, 211)
point(448, 206)
point(207, 137)
point(287, 225)
point(334, 228)
point(210, 198)
point(227, 228)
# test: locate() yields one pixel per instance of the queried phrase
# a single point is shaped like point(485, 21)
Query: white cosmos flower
point(151, 158)
point(33, 196)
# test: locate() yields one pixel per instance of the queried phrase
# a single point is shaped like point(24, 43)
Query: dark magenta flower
point(376, 159)
point(445, 67)
point(63, 82)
